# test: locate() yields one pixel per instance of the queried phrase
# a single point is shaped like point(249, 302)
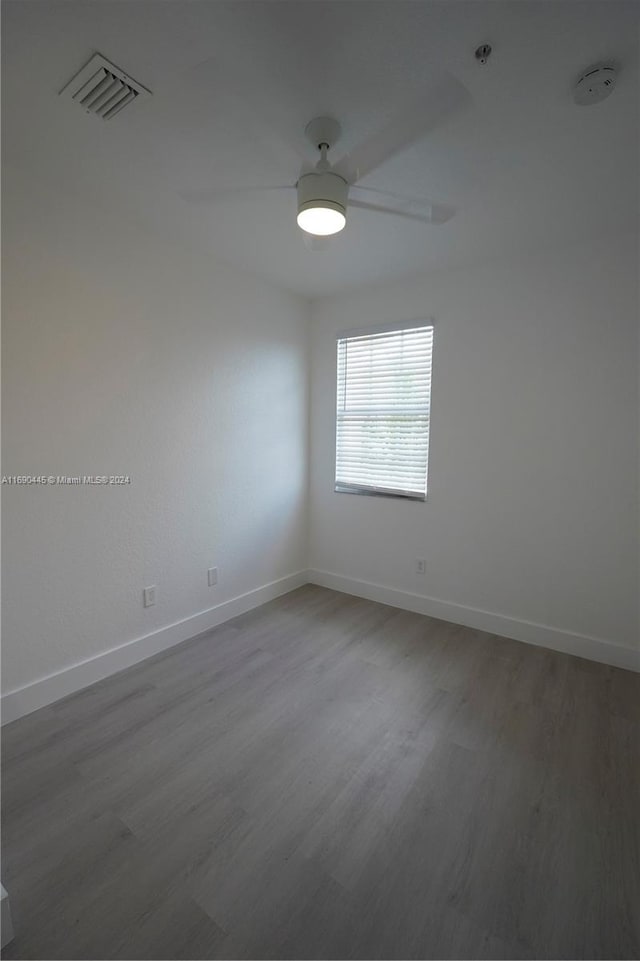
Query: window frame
point(388, 328)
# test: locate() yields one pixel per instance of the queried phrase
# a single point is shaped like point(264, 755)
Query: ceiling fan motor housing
point(326, 189)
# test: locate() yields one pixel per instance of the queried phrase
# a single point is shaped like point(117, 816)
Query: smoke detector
point(483, 53)
point(103, 89)
point(595, 84)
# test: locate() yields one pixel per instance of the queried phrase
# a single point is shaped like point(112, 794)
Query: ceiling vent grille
point(103, 89)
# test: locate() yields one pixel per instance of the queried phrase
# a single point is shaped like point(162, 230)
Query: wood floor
point(326, 777)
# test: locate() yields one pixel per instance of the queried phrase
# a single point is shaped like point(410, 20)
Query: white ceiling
point(234, 84)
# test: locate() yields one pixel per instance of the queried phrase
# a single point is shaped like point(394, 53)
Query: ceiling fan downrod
point(323, 163)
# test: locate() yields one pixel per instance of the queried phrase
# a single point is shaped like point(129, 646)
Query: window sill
point(372, 492)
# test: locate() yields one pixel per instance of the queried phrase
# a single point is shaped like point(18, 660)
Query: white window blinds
point(382, 424)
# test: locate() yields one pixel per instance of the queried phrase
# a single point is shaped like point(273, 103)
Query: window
point(383, 402)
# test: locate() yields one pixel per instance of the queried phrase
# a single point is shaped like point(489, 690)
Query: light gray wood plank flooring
point(326, 777)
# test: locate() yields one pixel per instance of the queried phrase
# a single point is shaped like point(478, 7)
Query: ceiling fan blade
point(433, 214)
point(207, 195)
point(447, 97)
point(413, 205)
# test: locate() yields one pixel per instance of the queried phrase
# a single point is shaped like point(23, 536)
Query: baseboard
point(580, 645)
point(46, 690)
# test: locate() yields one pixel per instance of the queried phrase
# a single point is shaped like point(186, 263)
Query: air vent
point(103, 89)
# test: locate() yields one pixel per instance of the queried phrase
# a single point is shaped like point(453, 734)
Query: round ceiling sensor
point(483, 53)
point(595, 84)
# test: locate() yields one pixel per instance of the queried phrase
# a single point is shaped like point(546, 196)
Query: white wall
point(532, 508)
point(125, 354)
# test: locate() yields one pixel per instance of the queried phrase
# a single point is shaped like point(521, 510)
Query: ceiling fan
point(325, 192)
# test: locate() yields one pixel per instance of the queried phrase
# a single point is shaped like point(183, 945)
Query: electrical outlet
point(420, 566)
point(149, 596)
point(212, 576)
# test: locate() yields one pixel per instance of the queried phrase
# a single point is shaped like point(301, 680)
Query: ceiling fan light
point(321, 220)
point(322, 203)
